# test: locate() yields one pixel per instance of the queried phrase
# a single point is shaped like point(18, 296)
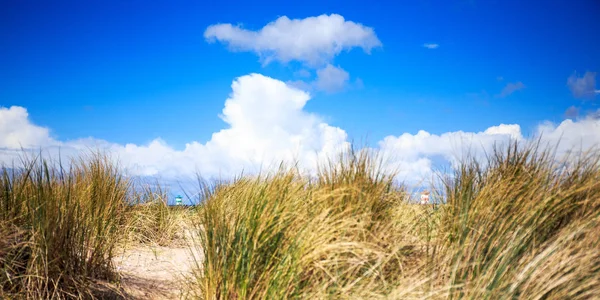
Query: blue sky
point(133, 71)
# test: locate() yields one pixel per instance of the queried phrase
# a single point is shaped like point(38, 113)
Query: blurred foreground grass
point(523, 224)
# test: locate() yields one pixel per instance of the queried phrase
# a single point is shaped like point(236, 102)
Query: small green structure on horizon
point(178, 200)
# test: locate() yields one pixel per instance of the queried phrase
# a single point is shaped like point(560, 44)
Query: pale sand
point(155, 272)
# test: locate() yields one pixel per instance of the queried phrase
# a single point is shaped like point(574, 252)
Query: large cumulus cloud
point(267, 123)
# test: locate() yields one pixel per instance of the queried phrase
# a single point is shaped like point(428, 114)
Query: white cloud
point(594, 115)
point(583, 87)
point(313, 40)
point(413, 154)
point(431, 46)
point(267, 123)
point(511, 88)
point(577, 135)
point(331, 79)
point(16, 131)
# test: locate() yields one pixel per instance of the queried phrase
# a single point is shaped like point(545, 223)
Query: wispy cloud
point(583, 87)
point(510, 88)
point(330, 79)
point(358, 83)
point(431, 45)
point(572, 112)
point(302, 73)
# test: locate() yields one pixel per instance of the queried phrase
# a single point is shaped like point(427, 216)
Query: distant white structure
point(178, 200)
point(425, 197)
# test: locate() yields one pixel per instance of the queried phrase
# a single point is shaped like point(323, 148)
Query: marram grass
point(59, 227)
point(522, 225)
point(149, 218)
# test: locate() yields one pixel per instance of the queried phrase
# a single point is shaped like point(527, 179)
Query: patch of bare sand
point(155, 272)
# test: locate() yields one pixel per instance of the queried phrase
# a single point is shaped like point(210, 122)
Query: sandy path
point(155, 272)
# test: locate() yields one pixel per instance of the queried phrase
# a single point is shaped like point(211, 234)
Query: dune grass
point(62, 227)
point(283, 236)
point(150, 220)
point(523, 224)
point(526, 226)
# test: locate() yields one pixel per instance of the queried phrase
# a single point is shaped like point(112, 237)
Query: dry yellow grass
point(64, 226)
point(524, 226)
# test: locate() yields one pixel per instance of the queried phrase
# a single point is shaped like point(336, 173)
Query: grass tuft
point(62, 226)
point(523, 224)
